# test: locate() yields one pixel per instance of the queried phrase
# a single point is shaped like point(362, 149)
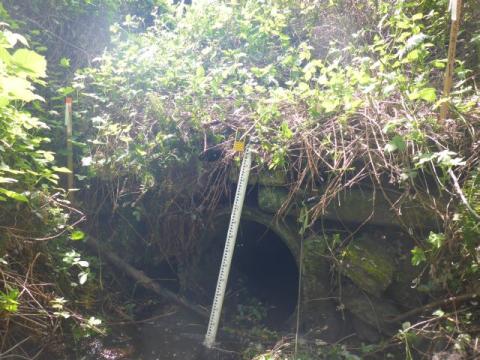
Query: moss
point(369, 265)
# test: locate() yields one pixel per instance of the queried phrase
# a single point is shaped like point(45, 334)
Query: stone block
point(368, 263)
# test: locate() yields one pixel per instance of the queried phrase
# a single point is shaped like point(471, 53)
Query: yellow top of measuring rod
point(239, 146)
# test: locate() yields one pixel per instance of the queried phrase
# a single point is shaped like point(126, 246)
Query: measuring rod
point(229, 248)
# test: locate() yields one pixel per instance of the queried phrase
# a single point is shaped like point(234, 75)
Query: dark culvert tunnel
point(264, 272)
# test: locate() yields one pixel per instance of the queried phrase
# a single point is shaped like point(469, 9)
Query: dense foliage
point(333, 93)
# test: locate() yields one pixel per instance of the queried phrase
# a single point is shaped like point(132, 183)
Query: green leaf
point(31, 62)
point(14, 195)
point(413, 55)
point(92, 321)
point(12, 38)
point(19, 89)
point(285, 130)
point(83, 263)
point(62, 169)
point(5, 180)
point(65, 62)
point(82, 277)
point(77, 235)
point(427, 94)
point(417, 16)
point(9, 301)
point(436, 240)
point(418, 256)
point(397, 143)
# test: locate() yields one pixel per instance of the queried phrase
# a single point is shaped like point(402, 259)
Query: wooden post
point(456, 9)
point(68, 125)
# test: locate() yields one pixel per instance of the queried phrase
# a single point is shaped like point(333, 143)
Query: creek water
point(172, 333)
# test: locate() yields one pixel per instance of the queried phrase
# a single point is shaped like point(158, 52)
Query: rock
point(365, 331)
point(369, 264)
point(371, 310)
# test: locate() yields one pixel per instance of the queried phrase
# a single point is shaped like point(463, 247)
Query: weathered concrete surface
point(261, 177)
point(353, 206)
point(401, 290)
point(371, 279)
point(271, 199)
point(318, 310)
point(369, 264)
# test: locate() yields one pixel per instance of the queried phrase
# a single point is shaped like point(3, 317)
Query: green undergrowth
point(331, 93)
point(42, 276)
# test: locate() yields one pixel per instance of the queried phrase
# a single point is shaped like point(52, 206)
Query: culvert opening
point(264, 276)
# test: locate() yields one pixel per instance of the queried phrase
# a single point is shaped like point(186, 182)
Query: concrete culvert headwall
point(356, 270)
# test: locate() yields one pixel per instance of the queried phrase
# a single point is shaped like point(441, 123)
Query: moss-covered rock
point(369, 264)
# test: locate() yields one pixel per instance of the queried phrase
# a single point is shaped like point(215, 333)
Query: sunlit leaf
point(30, 61)
point(14, 195)
point(77, 235)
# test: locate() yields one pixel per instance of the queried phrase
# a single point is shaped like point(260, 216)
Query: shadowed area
point(265, 269)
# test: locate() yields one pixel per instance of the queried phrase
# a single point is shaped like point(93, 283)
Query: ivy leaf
point(436, 240)
point(397, 143)
point(418, 256)
point(77, 235)
point(64, 62)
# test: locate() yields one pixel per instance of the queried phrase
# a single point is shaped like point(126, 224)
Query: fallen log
point(144, 280)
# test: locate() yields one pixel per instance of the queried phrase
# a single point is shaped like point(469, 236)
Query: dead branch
point(144, 280)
